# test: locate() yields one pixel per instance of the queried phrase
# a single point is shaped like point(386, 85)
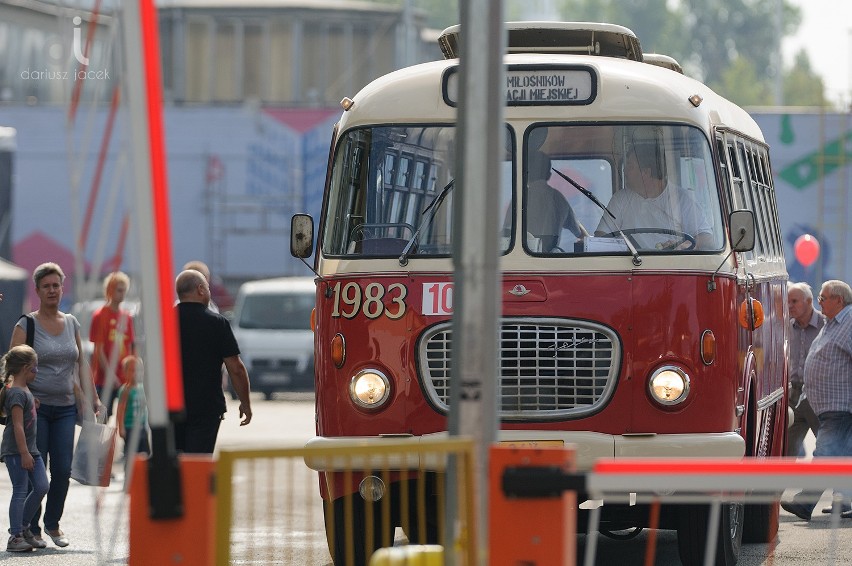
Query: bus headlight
point(369, 389)
point(669, 385)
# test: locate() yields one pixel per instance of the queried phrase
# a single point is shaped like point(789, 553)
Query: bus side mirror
point(742, 230)
point(301, 236)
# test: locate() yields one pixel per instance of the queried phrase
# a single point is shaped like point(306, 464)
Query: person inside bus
point(547, 209)
point(650, 202)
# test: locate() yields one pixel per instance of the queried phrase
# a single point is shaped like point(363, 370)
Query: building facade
point(272, 52)
point(252, 93)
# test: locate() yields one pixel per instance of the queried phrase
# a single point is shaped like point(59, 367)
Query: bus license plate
point(532, 443)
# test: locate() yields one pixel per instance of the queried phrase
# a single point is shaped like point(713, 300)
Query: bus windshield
point(589, 188)
point(601, 189)
point(394, 184)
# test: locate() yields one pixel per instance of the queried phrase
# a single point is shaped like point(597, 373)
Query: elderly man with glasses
point(828, 387)
point(805, 324)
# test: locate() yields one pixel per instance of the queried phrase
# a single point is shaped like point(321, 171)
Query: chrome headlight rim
point(684, 376)
point(353, 394)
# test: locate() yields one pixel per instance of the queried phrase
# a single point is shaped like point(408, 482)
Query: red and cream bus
point(643, 294)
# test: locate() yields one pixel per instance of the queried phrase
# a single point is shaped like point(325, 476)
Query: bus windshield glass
point(590, 188)
point(392, 186)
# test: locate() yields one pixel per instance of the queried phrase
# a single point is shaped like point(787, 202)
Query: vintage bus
point(643, 276)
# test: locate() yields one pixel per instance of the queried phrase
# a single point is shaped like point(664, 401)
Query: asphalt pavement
point(96, 519)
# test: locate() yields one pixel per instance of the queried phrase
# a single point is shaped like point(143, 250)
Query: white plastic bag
point(92, 462)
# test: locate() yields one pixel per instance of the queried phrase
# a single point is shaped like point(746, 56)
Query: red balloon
point(807, 249)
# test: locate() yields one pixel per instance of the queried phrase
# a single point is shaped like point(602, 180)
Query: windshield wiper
point(588, 194)
point(431, 210)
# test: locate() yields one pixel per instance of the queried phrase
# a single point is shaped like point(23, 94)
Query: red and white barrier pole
point(162, 348)
point(702, 476)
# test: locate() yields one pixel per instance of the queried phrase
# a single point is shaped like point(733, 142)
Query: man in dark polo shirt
point(206, 342)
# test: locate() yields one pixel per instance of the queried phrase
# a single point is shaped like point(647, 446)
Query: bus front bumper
point(588, 447)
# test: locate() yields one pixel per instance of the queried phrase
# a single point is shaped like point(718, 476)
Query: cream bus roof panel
point(230, 5)
point(414, 95)
point(663, 61)
point(589, 38)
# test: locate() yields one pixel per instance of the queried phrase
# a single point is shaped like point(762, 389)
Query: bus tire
point(692, 534)
point(760, 523)
point(431, 528)
point(336, 537)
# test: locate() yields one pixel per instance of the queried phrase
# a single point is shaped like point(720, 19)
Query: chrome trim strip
point(588, 447)
point(770, 399)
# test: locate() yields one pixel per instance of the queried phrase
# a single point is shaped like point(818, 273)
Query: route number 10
point(437, 298)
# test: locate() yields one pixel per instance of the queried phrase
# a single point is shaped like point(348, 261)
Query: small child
point(132, 412)
point(18, 448)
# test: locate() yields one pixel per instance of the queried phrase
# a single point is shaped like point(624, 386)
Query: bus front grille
point(549, 368)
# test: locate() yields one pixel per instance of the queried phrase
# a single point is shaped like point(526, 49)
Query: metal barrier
point(712, 489)
point(714, 505)
point(268, 509)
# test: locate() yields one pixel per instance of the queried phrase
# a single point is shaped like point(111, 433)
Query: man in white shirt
point(650, 202)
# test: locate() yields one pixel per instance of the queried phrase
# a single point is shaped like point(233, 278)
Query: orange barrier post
point(531, 530)
point(187, 540)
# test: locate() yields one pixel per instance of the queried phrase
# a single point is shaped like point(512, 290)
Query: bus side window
point(725, 171)
point(759, 201)
point(739, 195)
point(770, 187)
point(697, 177)
point(747, 195)
point(390, 164)
point(346, 210)
point(762, 195)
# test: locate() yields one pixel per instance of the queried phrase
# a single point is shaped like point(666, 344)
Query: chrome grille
point(549, 368)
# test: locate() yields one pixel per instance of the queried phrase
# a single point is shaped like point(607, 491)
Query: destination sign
point(526, 86)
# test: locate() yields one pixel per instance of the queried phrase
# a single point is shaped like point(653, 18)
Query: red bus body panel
point(658, 317)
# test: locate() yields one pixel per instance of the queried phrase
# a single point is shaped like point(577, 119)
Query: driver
point(649, 202)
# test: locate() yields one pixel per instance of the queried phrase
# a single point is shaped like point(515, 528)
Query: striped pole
point(165, 395)
point(770, 476)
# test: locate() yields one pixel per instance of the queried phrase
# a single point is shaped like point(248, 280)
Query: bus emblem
point(571, 345)
point(519, 290)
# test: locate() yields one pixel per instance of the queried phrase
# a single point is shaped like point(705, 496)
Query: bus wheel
point(761, 523)
point(623, 534)
point(761, 520)
point(336, 533)
point(430, 528)
point(692, 534)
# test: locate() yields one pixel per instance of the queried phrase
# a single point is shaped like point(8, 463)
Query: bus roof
point(624, 87)
point(664, 61)
point(590, 38)
point(329, 5)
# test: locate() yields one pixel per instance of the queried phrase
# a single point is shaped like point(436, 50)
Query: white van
point(272, 324)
